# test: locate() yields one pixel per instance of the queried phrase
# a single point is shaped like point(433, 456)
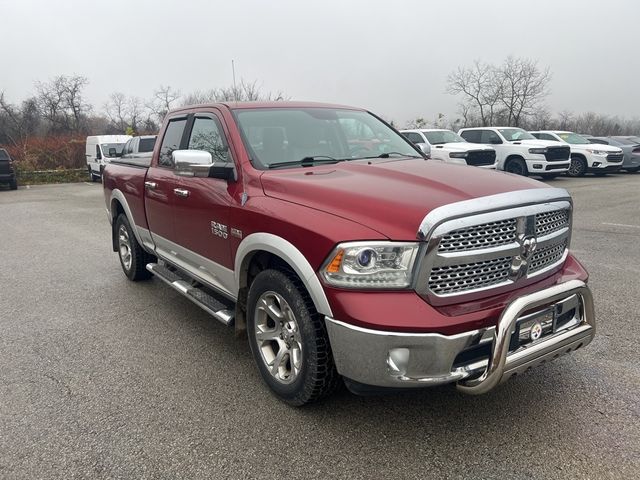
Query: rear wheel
point(517, 166)
point(13, 184)
point(133, 258)
point(578, 167)
point(288, 339)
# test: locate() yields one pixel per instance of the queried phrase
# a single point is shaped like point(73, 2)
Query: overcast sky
point(391, 57)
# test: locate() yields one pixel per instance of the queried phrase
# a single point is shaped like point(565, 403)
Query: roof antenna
point(235, 90)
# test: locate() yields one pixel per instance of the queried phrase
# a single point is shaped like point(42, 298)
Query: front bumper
point(409, 360)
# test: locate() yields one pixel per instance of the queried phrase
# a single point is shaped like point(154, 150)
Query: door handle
point(150, 185)
point(181, 192)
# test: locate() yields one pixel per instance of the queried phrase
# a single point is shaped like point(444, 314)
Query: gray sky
point(390, 57)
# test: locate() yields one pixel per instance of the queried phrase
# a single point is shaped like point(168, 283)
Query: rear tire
point(13, 184)
point(516, 166)
point(133, 258)
point(578, 167)
point(289, 340)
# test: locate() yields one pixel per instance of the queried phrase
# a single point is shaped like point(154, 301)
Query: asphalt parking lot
point(103, 378)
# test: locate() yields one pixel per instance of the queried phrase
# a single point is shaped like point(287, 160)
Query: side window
point(127, 148)
point(98, 153)
point(545, 136)
point(207, 135)
point(171, 141)
point(472, 136)
point(414, 137)
point(491, 137)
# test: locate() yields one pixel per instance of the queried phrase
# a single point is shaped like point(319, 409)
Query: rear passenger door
point(203, 206)
point(160, 185)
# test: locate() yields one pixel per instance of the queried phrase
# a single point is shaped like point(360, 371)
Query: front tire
point(577, 168)
point(133, 258)
point(516, 166)
point(288, 339)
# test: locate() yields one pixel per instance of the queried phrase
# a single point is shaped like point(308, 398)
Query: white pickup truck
point(585, 156)
point(449, 147)
point(519, 152)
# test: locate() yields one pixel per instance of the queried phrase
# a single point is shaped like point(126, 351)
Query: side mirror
point(424, 148)
point(198, 163)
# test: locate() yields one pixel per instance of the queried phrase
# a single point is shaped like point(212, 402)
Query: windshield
point(515, 134)
point(106, 148)
point(443, 136)
point(573, 138)
point(277, 135)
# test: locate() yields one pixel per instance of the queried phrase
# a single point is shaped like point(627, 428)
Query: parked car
point(139, 150)
point(519, 152)
point(7, 170)
point(324, 234)
point(449, 147)
point(100, 149)
point(585, 156)
point(630, 149)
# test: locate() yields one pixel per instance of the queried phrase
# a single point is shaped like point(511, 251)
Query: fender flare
point(116, 194)
point(289, 253)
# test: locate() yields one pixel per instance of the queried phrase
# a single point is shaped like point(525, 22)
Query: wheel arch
point(118, 204)
point(266, 248)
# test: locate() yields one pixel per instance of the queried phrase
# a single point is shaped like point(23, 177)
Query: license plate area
point(552, 319)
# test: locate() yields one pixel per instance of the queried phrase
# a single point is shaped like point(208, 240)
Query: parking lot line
point(621, 225)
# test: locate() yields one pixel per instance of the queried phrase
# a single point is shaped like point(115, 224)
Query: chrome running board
point(221, 311)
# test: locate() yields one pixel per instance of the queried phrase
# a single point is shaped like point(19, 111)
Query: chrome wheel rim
point(278, 338)
point(124, 247)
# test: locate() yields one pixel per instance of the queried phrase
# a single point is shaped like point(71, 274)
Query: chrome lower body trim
point(408, 360)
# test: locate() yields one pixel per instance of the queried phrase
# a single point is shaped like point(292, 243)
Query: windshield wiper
point(388, 155)
point(307, 161)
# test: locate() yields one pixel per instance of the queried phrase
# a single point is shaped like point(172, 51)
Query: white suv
point(520, 152)
point(451, 148)
point(586, 156)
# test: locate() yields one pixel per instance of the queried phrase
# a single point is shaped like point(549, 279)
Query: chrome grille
point(465, 257)
point(469, 276)
point(550, 222)
point(546, 257)
point(480, 236)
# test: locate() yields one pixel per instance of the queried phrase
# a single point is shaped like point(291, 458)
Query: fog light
point(537, 165)
point(596, 164)
point(398, 361)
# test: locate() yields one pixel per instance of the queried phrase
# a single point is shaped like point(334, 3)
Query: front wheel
point(577, 168)
point(133, 258)
point(516, 166)
point(288, 339)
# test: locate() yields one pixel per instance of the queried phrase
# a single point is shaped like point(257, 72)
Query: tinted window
point(545, 136)
point(491, 137)
point(472, 136)
point(440, 137)
point(147, 144)
point(207, 135)
point(413, 137)
point(127, 147)
point(3, 154)
point(171, 141)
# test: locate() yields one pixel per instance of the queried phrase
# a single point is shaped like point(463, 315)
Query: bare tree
point(61, 103)
point(416, 123)
point(243, 92)
point(480, 87)
point(17, 124)
point(162, 101)
point(522, 88)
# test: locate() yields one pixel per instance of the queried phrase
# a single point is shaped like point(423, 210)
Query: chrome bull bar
point(500, 363)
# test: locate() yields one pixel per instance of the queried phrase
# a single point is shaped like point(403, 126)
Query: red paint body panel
point(315, 208)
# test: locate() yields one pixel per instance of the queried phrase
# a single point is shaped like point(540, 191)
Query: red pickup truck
point(345, 255)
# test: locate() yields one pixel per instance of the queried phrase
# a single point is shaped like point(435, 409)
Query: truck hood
point(594, 146)
point(391, 196)
point(460, 147)
point(539, 143)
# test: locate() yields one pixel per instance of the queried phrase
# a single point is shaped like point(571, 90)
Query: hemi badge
point(236, 233)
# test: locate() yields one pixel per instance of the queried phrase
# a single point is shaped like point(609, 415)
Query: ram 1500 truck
point(346, 255)
point(519, 152)
point(446, 146)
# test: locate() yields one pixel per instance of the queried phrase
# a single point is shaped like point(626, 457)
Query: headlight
point(597, 152)
point(540, 151)
point(458, 155)
point(377, 265)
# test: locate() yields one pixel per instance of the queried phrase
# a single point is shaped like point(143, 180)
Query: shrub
point(49, 153)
